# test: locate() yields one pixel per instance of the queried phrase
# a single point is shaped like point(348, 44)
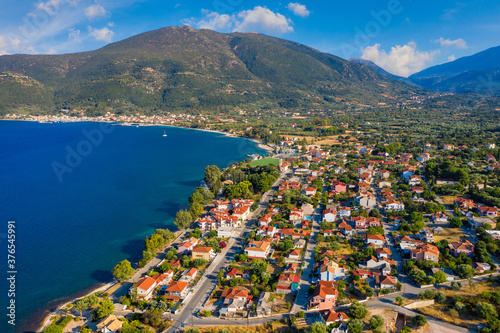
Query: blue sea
point(84, 196)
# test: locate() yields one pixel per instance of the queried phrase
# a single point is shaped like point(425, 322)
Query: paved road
point(301, 301)
point(208, 282)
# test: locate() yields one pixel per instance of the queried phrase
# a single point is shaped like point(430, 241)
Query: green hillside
point(184, 69)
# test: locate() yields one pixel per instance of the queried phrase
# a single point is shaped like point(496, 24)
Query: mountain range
point(182, 68)
point(475, 74)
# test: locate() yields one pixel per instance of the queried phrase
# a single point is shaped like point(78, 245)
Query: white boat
point(164, 133)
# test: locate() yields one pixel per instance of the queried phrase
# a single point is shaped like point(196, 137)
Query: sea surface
point(84, 196)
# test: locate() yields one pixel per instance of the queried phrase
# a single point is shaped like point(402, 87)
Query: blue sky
point(402, 36)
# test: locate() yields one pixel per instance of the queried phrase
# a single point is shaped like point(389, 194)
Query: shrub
point(399, 300)
point(440, 297)
point(419, 320)
point(406, 329)
point(456, 285)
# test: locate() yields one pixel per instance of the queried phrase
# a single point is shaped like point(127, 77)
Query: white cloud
point(50, 7)
point(458, 43)
point(74, 36)
point(52, 51)
point(259, 19)
point(263, 19)
point(94, 11)
point(215, 21)
point(298, 9)
point(401, 60)
point(452, 58)
point(104, 34)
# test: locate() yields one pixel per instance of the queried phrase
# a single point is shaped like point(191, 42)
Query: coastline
point(72, 298)
point(54, 307)
point(260, 144)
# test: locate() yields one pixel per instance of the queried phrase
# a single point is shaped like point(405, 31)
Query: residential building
point(385, 281)
point(463, 246)
point(491, 212)
point(110, 324)
point(176, 290)
point(203, 252)
point(425, 252)
point(377, 240)
point(329, 215)
point(258, 249)
point(187, 246)
point(478, 222)
point(331, 317)
point(324, 296)
point(189, 274)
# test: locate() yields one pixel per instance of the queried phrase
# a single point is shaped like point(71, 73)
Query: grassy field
point(467, 319)
point(450, 234)
point(449, 199)
point(265, 161)
point(270, 327)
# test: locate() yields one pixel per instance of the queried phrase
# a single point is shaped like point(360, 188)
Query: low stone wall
point(419, 304)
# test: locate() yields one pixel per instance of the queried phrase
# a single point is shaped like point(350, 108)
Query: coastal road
point(208, 282)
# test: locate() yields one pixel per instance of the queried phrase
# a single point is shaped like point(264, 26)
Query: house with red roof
point(324, 296)
point(189, 274)
point(338, 187)
point(288, 283)
point(425, 252)
point(463, 246)
point(377, 240)
point(491, 212)
point(385, 281)
point(234, 273)
point(329, 215)
point(188, 245)
point(331, 317)
point(294, 255)
point(176, 290)
point(145, 287)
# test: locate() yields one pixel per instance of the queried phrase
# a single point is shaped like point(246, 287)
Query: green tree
point(318, 327)
point(92, 300)
point(81, 305)
point(440, 277)
point(196, 210)
point(154, 242)
point(212, 177)
point(376, 321)
point(465, 271)
point(105, 308)
point(123, 271)
point(355, 326)
point(399, 300)
point(183, 219)
point(486, 310)
point(358, 310)
point(417, 275)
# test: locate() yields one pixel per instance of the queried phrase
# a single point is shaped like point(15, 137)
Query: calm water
point(74, 225)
